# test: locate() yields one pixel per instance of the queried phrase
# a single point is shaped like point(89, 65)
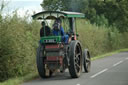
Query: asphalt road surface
point(111, 70)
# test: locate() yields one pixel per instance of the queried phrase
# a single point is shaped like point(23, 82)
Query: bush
point(18, 43)
point(100, 40)
point(92, 37)
point(101, 21)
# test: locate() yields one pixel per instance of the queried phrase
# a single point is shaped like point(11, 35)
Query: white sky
point(23, 0)
point(23, 5)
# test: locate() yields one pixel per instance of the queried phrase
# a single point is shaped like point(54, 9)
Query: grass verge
point(19, 80)
point(109, 54)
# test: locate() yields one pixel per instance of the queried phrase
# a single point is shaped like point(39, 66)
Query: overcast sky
point(23, 5)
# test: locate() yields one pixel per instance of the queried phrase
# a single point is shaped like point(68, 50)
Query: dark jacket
point(47, 31)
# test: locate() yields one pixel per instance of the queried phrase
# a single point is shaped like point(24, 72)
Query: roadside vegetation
point(101, 39)
point(19, 41)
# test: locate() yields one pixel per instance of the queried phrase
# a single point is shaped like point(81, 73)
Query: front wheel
point(86, 61)
point(41, 66)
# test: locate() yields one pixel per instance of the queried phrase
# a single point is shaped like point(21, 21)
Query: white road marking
point(99, 73)
point(118, 63)
point(77, 84)
point(126, 58)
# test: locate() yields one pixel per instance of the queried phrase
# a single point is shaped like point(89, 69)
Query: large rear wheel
point(75, 55)
point(41, 66)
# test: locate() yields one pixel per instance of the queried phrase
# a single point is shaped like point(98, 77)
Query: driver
point(58, 30)
point(45, 30)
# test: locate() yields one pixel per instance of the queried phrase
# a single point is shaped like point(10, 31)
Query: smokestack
point(72, 24)
point(75, 5)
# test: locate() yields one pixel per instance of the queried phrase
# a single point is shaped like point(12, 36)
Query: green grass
point(109, 54)
point(19, 80)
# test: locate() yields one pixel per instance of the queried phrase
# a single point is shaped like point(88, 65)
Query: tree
point(3, 4)
point(113, 12)
point(116, 12)
point(64, 5)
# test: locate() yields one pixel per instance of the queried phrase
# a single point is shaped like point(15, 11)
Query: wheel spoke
point(77, 59)
point(87, 64)
point(77, 67)
point(77, 55)
point(87, 60)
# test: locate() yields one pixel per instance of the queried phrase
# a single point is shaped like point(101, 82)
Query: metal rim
point(78, 58)
point(88, 61)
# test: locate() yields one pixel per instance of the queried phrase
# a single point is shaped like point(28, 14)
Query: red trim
point(52, 58)
point(55, 58)
point(61, 60)
point(74, 37)
point(52, 46)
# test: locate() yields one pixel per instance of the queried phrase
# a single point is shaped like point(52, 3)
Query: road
point(111, 70)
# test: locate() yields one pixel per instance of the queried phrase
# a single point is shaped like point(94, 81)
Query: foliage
point(19, 80)
point(99, 39)
point(18, 43)
point(19, 40)
point(64, 5)
point(115, 12)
